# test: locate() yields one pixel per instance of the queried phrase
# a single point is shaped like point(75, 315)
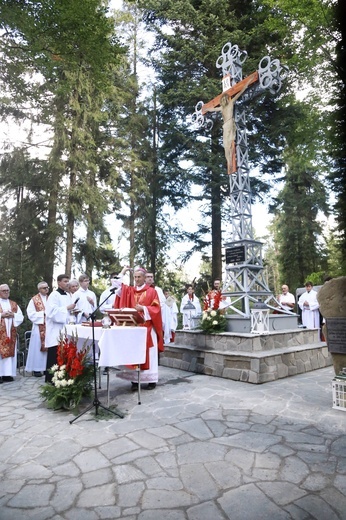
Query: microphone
point(77, 300)
point(113, 289)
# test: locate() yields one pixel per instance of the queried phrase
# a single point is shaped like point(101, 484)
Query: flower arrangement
point(213, 321)
point(72, 376)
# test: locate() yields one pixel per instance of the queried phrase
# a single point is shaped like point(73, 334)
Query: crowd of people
point(73, 302)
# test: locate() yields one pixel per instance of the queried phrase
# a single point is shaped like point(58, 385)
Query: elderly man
point(58, 308)
point(10, 318)
point(145, 300)
point(310, 307)
point(36, 310)
point(286, 299)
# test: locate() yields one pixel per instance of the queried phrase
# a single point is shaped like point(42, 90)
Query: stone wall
point(248, 358)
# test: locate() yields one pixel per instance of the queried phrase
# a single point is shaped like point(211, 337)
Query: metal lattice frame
point(245, 281)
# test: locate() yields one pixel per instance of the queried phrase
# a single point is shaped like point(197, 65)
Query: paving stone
point(98, 496)
point(38, 513)
point(243, 459)
point(294, 470)
point(97, 477)
point(267, 460)
point(65, 494)
point(90, 460)
point(253, 441)
point(335, 499)
point(165, 432)
point(197, 429)
point(166, 499)
point(297, 513)
point(125, 473)
point(315, 482)
point(10, 486)
point(197, 481)
point(149, 466)
point(217, 428)
point(225, 474)
point(152, 514)
point(69, 470)
point(246, 502)
point(79, 514)
point(147, 440)
point(317, 507)
point(30, 471)
point(108, 512)
point(32, 496)
point(205, 511)
point(340, 483)
point(282, 493)
point(117, 447)
point(282, 450)
point(287, 459)
point(198, 452)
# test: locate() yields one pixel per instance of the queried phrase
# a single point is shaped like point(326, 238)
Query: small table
point(118, 345)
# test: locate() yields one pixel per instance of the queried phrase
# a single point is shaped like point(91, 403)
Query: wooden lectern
point(126, 316)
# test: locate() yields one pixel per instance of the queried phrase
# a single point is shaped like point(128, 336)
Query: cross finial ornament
point(244, 266)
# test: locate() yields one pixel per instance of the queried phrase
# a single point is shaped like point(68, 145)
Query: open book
point(125, 316)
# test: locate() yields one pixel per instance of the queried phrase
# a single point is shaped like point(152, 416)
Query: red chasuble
point(147, 296)
point(7, 345)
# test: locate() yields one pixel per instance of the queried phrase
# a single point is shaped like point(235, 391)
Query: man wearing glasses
point(36, 311)
point(10, 318)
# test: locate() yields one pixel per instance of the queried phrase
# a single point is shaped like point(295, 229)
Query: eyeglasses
point(4, 290)
point(44, 287)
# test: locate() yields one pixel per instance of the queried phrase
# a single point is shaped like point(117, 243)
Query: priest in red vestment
point(145, 300)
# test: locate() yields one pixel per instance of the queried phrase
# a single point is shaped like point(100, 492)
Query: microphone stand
point(96, 403)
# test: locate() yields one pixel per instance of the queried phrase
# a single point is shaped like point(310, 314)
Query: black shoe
point(1, 381)
point(38, 374)
point(151, 386)
point(7, 379)
point(134, 387)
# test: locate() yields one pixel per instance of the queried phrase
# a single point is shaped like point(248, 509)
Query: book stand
point(125, 317)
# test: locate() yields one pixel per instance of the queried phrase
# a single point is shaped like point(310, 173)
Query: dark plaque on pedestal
point(235, 254)
point(336, 335)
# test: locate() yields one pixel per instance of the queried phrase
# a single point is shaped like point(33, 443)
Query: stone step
point(252, 367)
point(246, 342)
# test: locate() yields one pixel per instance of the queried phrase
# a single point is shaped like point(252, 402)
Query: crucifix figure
point(226, 107)
point(245, 281)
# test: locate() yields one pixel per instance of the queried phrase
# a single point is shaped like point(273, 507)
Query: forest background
point(107, 154)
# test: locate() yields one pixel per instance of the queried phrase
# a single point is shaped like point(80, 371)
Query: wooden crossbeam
point(232, 91)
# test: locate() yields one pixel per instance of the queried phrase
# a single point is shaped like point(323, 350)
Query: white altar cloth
point(118, 345)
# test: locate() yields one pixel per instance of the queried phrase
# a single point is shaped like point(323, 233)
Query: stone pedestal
point(332, 300)
point(248, 357)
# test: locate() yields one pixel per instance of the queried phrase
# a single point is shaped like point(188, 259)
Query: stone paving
point(197, 448)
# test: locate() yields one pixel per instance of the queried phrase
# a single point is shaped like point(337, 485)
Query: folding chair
point(21, 355)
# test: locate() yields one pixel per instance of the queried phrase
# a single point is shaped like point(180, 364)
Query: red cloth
point(147, 296)
point(213, 297)
point(7, 345)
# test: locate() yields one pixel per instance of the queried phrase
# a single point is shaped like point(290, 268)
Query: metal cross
point(245, 280)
